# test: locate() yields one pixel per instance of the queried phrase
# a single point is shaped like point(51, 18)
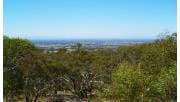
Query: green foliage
point(127, 85)
point(34, 76)
point(22, 68)
point(76, 71)
point(14, 52)
point(5, 37)
point(137, 73)
point(130, 54)
point(131, 84)
point(165, 86)
point(159, 55)
point(152, 78)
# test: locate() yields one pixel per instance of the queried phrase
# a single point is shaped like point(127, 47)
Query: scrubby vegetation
point(138, 73)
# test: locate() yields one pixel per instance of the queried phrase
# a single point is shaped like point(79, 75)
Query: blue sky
point(69, 19)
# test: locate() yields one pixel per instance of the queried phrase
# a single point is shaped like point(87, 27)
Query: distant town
point(52, 46)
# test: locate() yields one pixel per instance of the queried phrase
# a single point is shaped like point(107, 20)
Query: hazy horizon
point(59, 38)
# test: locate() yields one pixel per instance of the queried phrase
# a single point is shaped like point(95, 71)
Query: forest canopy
point(136, 73)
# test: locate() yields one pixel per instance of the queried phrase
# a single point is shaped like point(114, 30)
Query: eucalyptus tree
point(34, 76)
point(23, 70)
point(14, 53)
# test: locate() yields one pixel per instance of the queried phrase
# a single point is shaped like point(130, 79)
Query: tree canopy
point(136, 73)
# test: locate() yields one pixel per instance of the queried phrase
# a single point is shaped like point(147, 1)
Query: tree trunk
point(6, 98)
point(11, 98)
point(36, 97)
point(83, 94)
point(28, 99)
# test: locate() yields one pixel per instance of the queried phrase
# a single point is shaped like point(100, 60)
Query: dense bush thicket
point(138, 73)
